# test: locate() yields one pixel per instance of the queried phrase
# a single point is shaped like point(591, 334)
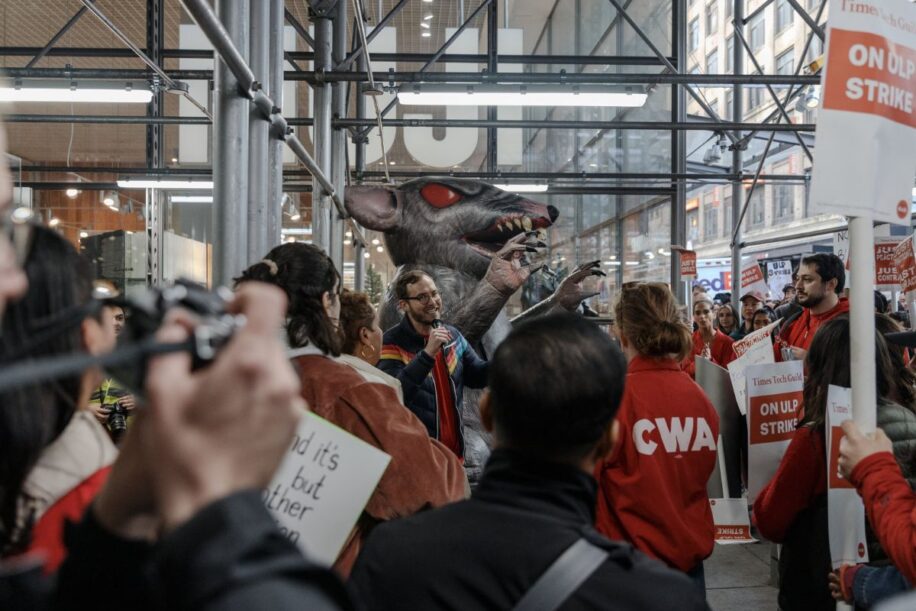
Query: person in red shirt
point(652, 487)
point(708, 342)
point(792, 508)
point(820, 283)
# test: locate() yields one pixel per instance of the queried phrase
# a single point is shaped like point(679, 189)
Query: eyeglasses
point(423, 298)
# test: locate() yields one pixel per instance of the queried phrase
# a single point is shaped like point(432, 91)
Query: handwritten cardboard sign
point(322, 486)
point(845, 511)
point(774, 394)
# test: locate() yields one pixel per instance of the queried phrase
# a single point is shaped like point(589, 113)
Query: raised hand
point(510, 268)
point(570, 294)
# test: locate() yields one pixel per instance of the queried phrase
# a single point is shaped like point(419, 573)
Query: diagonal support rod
point(661, 56)
point(436, 56)
point(358, 51)
point(779, 104)
point(818, 30)
point(792, 90)
point(300, 30)
point(66, 27)
point(171, 84)
point(748, 18)
point(777, 116)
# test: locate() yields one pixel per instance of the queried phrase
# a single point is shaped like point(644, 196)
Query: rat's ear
point(373, 206)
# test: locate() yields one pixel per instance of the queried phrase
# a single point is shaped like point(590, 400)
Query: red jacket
point(800, 333)
point(891, 508)
point(799, 480)
point(48, 532)
point(721, 351)
point(652, 488)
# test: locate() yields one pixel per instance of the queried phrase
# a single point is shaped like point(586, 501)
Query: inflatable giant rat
point(471, 238)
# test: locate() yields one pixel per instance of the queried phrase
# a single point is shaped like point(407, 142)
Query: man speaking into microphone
point(433, 361)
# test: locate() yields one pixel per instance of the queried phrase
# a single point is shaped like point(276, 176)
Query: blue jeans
point(873, 584)
point(698, 576)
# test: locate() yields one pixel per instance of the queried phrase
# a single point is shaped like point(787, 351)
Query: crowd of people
point(583, 503)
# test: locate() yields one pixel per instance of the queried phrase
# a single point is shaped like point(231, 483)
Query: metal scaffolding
point(249, 127)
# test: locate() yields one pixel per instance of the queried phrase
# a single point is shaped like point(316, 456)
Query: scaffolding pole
point(737, 158)
point(230, 152)
point(275, 146)
point(679, 152)
point(321, 212)
point(259, 57)
point(338, 170)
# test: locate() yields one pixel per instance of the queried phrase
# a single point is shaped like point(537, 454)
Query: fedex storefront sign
point(714, 275)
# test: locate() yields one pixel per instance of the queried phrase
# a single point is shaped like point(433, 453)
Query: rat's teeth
point(526, 223)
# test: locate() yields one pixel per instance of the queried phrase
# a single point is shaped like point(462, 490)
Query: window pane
point(785, 63)
point(693, 39)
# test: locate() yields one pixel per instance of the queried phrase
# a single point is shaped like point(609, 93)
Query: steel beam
point(492, 47)
point(275, 146)
point(258, 136)
point(779, 105)
point(63, 30)
point(358, 52)
point(230, 147)
point(432, 60)
point(155, 153)
point(300, 30)
point(540, 78)
point(698, 98)
point(815, 27)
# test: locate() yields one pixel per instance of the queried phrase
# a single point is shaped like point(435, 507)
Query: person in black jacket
point(555, 385)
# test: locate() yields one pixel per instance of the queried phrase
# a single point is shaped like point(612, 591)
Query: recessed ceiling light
point(375, 242)
point(365, 255)
point(84, 234)
point(71, 192)
point(380, 249)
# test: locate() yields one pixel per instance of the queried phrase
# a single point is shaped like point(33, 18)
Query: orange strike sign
point(870, 74)
point(905, 262)
point(774, 417)
point(866, 125)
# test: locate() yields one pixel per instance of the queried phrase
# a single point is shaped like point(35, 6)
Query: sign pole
point(862, 321)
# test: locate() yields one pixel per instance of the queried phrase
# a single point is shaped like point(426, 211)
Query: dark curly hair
point(305, 273)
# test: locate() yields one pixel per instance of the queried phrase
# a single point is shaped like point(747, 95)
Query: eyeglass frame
point(423, 298)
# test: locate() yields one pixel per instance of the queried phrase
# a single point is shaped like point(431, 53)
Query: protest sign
point(715, 382)
point(752, 279)
point(779, 274)
point(754, 349)
point(688, 265)
point(905, 262)
point(733, 525)
point(322, 486)
point(841, 246)
point(774, 394)
point(885, 267)
point(867, 112)
point(845, 511)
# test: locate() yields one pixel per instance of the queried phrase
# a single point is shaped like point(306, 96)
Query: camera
point(145, 314)
point(117, 420)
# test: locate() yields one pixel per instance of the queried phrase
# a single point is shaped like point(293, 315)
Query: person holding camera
point(56, 455)
point(110, 402)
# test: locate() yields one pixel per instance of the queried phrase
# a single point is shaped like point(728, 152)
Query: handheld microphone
point(436, 323)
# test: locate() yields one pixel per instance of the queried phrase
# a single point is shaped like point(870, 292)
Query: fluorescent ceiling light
point(65, 91)
point(520, 95)
point(424, 25)
point(425, 34)
point(427, 17)
point(192, 199)
point(154, 183)
point(522, 188)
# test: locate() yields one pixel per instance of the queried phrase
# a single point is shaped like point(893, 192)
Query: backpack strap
point(563, 577)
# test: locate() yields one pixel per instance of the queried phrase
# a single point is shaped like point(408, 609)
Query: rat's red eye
point(439, 196)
